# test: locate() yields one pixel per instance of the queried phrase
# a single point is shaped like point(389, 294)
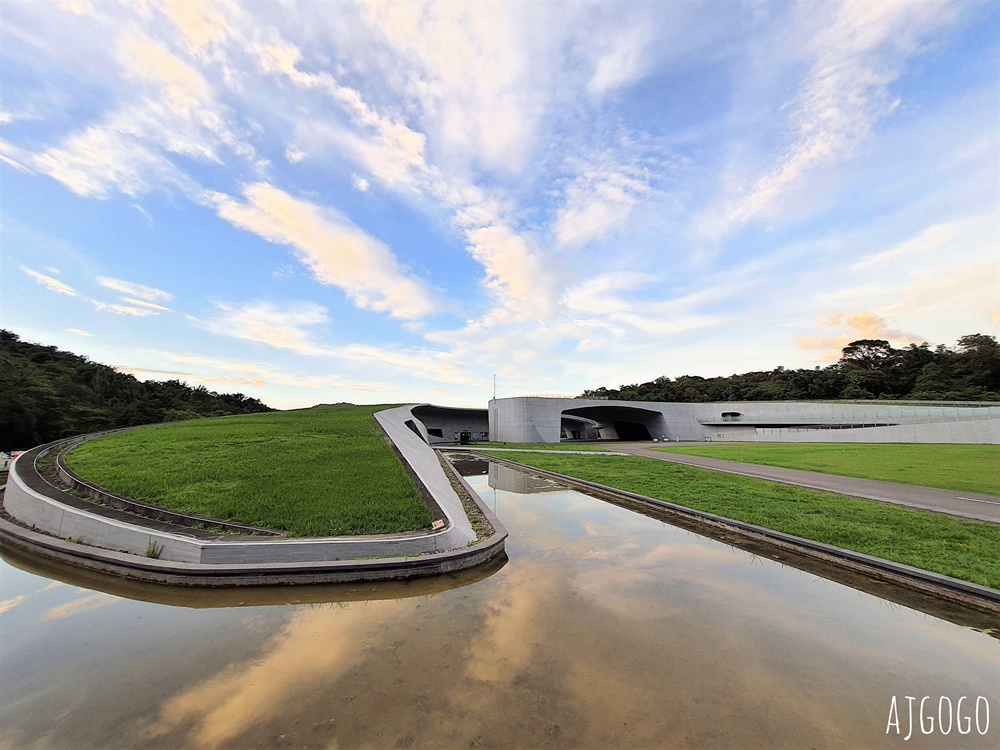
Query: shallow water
point(604, 628)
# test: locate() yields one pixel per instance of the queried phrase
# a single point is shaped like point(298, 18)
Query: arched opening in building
point(577, 428)
point(448, 425)
point(617, 422)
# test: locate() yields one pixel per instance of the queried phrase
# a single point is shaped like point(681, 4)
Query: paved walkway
point(963, 504)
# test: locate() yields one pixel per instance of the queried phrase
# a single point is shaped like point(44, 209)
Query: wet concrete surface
point(605, 628)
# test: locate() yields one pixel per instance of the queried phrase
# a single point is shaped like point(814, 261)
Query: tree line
point(47, 393)
point(867, 369)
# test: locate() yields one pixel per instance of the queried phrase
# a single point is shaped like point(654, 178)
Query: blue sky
point(392, 201)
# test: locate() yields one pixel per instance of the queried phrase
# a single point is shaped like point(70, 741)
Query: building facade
point(531, 419)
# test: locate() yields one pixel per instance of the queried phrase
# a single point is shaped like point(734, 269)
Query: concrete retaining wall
point(44, 508)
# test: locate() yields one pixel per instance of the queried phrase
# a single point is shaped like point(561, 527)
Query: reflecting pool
point(603, 628)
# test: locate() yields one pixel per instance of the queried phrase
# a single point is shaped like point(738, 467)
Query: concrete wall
point(532, 419)
point(526, 420)
point(41, 509)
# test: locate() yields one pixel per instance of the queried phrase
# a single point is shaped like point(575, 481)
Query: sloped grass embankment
point(312, 472)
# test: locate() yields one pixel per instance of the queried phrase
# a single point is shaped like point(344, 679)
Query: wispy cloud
point(78, 606)
point(599, 200)
point(131, 310)
point(201, 23)
point(331, 246)
point(855, 51)
point(7, 605)
point(146, 294)
point(931, 239)
point(77, 7)
point(50, 283)
point(145, 304)
point(290, 326)
point(862, 325)
point(593, 161)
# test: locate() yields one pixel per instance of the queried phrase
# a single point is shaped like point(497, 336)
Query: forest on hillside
point(47, 393)
point(868, 369)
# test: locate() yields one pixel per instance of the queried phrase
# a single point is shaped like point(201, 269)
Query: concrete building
point(548, 420)
point(446, 425)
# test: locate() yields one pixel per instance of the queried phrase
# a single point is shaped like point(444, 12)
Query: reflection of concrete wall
point(510, 480)
point(530, 419)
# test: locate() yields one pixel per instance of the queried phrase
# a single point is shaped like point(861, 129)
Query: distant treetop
point(868, 369)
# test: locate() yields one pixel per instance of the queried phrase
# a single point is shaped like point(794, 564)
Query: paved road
point(963, 504)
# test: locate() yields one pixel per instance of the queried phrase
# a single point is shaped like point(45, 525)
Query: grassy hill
point(312, 472)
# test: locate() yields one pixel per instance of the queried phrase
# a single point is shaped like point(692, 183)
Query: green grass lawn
point(312, 472)
point(963, 549)
point(964, 468)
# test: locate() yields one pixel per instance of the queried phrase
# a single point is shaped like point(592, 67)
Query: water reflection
point(888, 593)
point(253, 596)
point(606, 628)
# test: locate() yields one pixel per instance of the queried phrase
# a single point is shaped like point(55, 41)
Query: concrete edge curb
point(498, 527)
point(255, 562)
point(941, 583)
point(251, 574)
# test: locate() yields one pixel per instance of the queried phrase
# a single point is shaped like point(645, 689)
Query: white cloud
point(185, 87)
point(77, 7)
point(144, 303)
point(13, 156)
point(856, 51)
point(201, 23)
point(152, 373)
point(387, 147)
point(623, 63)
point(514, 273)
point(103, 158)
point(169, 109)
point(290, 327)
point(335, 250)
point(931, 239)
point(438, 366)
point(862, 325)
point(393, 155)
point(146, 293)
point(132, 310)
point(50, 283)
point(147, 217)
point(482, 77)
point(79, 332)
point(264, 375)
point(599, 200)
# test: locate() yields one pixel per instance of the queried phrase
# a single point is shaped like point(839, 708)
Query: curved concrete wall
point(41, 509)
point(423, 460)
point(534, 419)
